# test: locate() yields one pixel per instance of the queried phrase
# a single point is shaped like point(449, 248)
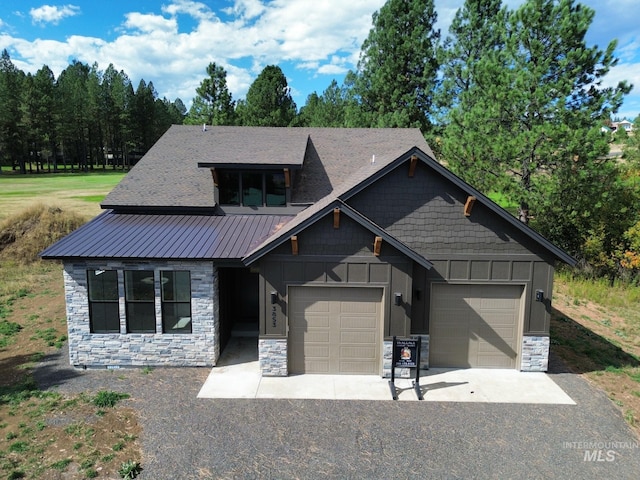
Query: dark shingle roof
point(169, 175)
point(132, 236)
point(335, 154)
point(369, 174)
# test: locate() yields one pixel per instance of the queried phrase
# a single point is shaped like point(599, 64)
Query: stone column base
point(272, 354)
point(535, 354)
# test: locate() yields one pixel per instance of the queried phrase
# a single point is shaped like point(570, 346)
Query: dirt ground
point(593, 344)
point(72, 436)
point(54, 436)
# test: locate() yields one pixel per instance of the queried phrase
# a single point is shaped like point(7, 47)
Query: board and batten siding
point(334, 257)
point(426, 212)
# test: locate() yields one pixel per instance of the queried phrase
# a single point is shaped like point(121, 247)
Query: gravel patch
point(189, 438)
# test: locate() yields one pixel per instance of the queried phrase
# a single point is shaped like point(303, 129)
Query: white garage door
point(335, 330)
point(475, 325)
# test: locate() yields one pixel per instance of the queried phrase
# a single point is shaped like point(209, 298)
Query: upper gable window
point(252, 189)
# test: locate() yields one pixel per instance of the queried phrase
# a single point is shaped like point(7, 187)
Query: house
point(625, 124)
point(324, 243)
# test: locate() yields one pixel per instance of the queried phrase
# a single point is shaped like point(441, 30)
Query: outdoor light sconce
point(274, 297)
point(397, 299)
point(539, 296)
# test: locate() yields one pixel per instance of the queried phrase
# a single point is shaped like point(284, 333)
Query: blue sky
point(171, 42)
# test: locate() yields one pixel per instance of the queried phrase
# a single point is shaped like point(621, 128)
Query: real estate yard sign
point(406, 354)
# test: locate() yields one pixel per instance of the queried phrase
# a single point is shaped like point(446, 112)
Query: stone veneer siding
point(387, 354)
point(535, 354)
point(199, 348)
point(272, 354)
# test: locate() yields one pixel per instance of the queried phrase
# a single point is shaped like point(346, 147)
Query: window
point(229, 188)
point(140, 301)
point(104, 316)
point(275, 188)
point(176, 302)
point(252, 189)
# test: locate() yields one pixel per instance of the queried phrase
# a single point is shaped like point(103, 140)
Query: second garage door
point(475, 325)
point(335, 330)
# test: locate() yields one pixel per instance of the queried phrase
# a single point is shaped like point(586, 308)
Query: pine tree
point(11, 141)
point(326, 110)
point(397, 70)
point(213, 105)
point(268, 102)
point(477, 31)
point(537, 104)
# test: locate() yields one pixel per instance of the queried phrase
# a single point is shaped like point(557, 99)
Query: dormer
point(264, 189)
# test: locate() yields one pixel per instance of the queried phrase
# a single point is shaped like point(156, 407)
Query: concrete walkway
point(238, 376)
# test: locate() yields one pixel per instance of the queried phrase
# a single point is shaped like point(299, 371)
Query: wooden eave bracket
point(412, 165)
point(294, 245)
point(377, 246)
point(468, 206)
point(287, 178)
point(336, 217)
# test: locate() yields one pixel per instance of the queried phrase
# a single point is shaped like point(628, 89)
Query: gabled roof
point(368, 175)
point(300, 224)
point(129, 236)
point(175, 175)
point(337, 164)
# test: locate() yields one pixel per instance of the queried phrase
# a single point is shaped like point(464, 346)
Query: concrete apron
point(238, 376)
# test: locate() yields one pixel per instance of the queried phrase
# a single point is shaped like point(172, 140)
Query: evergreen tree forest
point(511, 100)
point(84, 119)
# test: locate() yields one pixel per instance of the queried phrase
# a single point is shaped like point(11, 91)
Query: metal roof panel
point(116, 235)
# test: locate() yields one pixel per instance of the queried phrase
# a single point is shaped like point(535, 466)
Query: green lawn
point(80, 192)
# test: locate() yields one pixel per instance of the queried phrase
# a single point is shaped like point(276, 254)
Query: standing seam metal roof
point(134, 236)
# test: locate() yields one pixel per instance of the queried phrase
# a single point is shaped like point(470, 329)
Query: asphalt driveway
point(186, 437)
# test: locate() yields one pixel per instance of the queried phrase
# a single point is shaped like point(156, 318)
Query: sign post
point(405, 354)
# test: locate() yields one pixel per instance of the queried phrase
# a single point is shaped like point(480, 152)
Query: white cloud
point(246, 9)
point(172, 45)
point(197, 10)
point(150, 24)
point(53, 14)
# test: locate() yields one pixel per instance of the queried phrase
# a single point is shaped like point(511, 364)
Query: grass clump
point(61, 464)
point(129, 469)
point(105, 398)
point(50, 337)
point(7, 331)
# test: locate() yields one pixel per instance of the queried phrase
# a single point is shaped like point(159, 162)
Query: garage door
point(474, 326)
point(334, 330)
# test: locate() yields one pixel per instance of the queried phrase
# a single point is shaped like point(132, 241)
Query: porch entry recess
point(239, 303)
point(335, 330)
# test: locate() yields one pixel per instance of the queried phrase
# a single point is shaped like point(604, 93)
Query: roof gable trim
point(481, 198)
point(354, 215)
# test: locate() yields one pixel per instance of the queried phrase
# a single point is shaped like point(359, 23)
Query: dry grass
point(24, 235)
point(45, 435)
point(600, 340)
